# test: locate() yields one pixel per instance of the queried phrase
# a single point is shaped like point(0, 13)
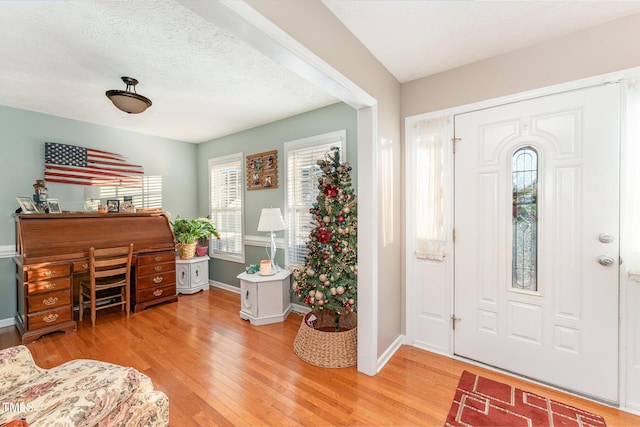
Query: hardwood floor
point(220, 370)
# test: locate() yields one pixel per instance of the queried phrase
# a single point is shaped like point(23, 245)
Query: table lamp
point(271, 220)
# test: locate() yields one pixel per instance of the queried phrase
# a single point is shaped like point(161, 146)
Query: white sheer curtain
point(632, 178)
point(432, 142)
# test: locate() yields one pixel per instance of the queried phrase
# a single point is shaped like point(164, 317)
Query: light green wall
point(185, 188)
point(22, 137)
point(266, 138)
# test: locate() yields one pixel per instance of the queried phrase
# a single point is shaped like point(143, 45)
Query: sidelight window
point(525, 219)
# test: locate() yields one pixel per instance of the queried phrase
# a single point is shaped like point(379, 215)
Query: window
point(302, 173)
point(226, 206)
point(149, 195)
point(525, 219)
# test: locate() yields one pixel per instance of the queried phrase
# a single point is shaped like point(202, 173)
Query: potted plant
point(205, 230)
point(185, 232)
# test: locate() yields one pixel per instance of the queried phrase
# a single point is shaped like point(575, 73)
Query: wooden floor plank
point(219, 370)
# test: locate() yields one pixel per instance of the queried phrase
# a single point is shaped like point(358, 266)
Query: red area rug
point(483, 402)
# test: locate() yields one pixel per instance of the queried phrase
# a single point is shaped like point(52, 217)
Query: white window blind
point(302, 187)
point(226, 206)
point(147, 196)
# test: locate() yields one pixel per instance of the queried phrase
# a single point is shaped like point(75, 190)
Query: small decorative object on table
point(40, 195)
point(265, 268)
point(127, 205)
point(54, 206)
point(252, 269)
point(27, 205)
point(113, 206)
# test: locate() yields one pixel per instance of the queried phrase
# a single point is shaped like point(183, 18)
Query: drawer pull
point(50, 301)
point(157, 268)
point(157, 292)
point(50, 286)
point(158, 279)
point(85, 266)
point(157, 258)
point(50, 317)
point(49, 273)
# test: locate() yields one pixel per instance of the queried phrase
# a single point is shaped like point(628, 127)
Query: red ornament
point(330, 191)
point(324, 235)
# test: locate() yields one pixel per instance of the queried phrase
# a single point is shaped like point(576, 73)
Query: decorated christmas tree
point(328, 280)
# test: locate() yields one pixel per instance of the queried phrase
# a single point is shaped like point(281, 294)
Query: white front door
point(536, 239)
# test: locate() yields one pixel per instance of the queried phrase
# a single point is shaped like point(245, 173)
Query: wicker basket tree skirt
point(327, 348)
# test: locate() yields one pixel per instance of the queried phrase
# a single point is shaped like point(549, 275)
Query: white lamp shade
point(271, 220)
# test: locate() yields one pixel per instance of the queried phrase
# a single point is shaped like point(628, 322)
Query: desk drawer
point(49, 272)
point(157, 258)
point(81, 266)
point(144, 295)
point(48, 301)
point(155, 280)
point(49, 318)
point(48, 286)
point(145, 270)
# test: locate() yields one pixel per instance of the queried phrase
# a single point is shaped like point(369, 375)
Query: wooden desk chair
point(108, 269)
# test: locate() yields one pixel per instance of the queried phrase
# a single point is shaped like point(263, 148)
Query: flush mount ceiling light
point(128, 100)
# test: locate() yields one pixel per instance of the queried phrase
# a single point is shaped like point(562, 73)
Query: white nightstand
point(264, 299)
point(192, 275)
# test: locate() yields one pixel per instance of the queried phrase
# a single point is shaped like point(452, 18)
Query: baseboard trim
point(389, 352)
point(7, 322)
point(300, 309)
point(225, 286)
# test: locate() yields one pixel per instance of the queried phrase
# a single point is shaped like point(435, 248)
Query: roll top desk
point(52, 253)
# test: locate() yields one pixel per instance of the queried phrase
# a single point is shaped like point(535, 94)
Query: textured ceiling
point(59, 57)
point(414, 39)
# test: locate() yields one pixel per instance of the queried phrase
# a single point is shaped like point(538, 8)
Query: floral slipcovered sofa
point(77, 393)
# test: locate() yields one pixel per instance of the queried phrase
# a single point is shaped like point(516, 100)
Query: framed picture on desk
point(113, 206)
point(54, 206)
point(27, 205)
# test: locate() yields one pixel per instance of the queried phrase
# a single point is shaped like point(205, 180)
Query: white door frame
point(242, 21)
point(441, 275)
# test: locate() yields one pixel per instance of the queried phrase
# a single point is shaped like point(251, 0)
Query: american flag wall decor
point(70, 164)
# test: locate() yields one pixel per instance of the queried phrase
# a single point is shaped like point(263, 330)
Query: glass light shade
point(128, 100)
point(271, 220)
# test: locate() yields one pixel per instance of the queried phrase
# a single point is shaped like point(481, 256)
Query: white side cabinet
point(264, 299)
point(192, 275)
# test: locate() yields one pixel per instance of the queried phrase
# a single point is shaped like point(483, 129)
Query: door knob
point(606, 238)
point(605, 260)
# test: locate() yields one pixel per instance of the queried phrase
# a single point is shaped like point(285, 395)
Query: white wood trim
point(522, 96)
point(263, 241)
point(7, 322)
point(224, 286)
point(245, 23)
point(390, 351)
point(627, 332)
point(300, 309)
point(7, 251)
